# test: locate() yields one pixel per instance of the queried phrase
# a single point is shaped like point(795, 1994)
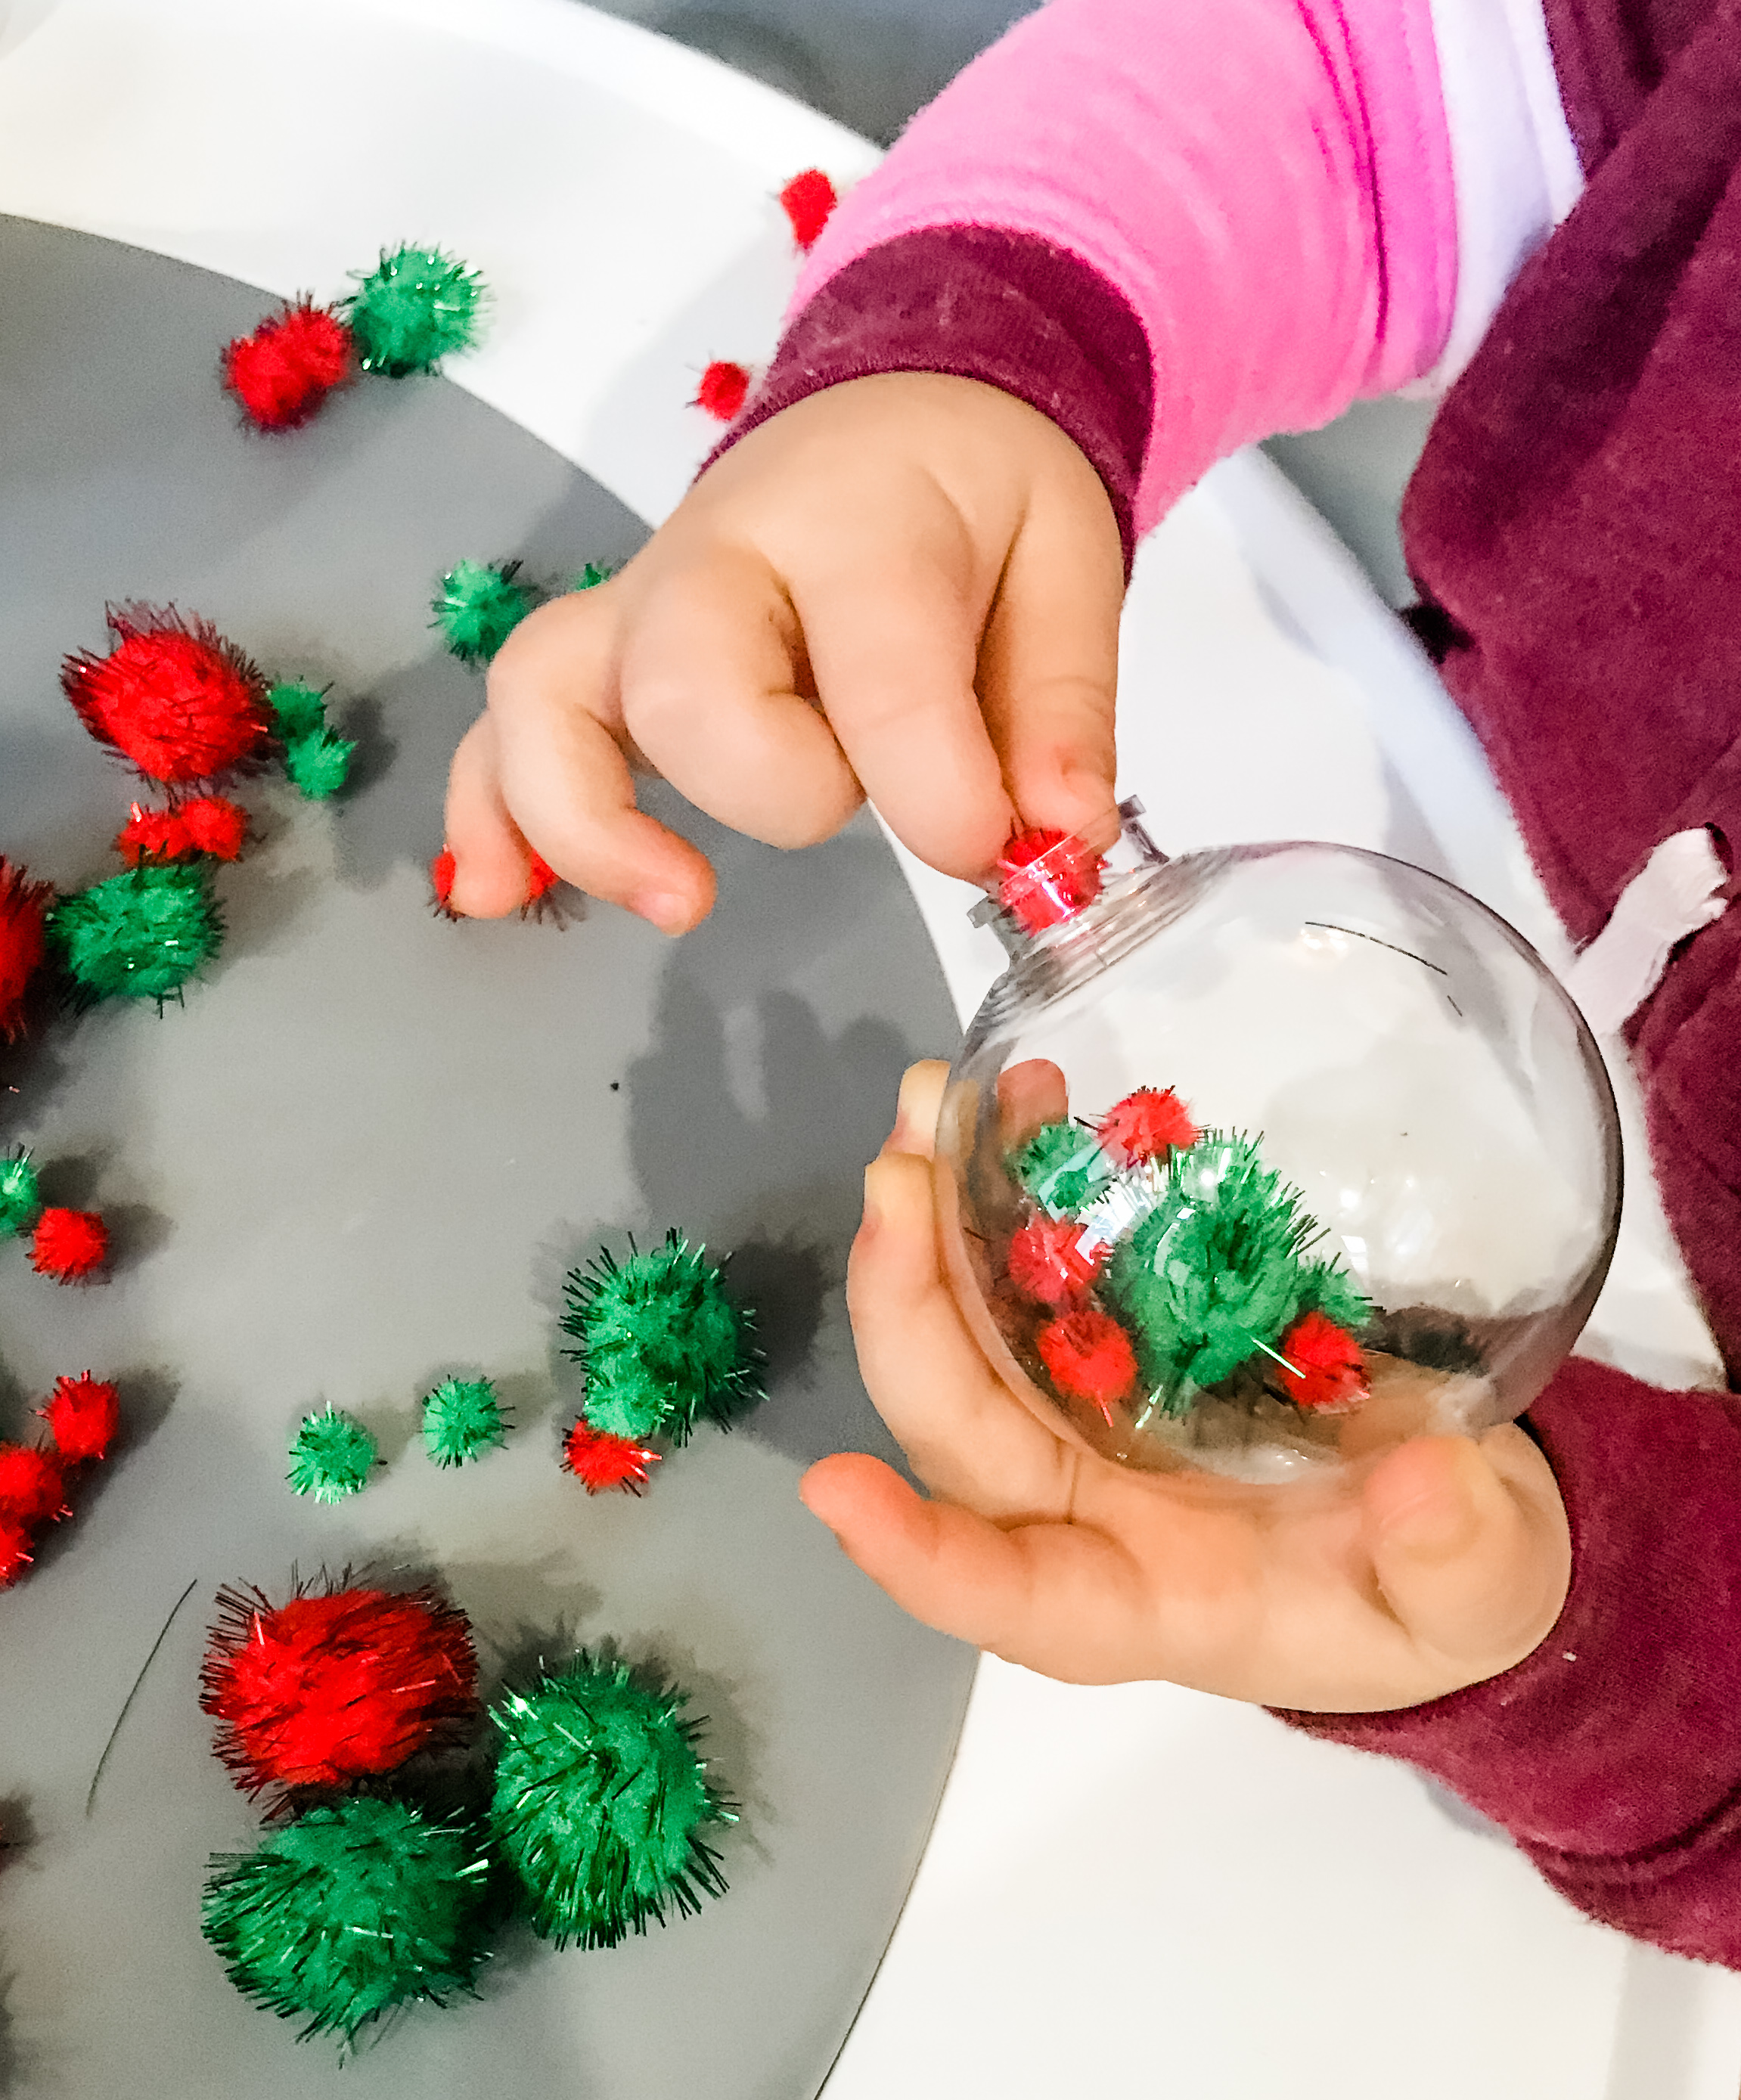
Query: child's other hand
point(906, 587)
point(1446, 1563)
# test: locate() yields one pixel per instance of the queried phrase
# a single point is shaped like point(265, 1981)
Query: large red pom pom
point(1324, 1371)
point(69, 1245)
point(599, 1460)
point(808, 200)
point(1089, 1356)
point(723, 389)
point(1146, 1124)
point(1047, 1265)
point(83, 1416)
point(23, 907)
point(33, 1489)
point(1045, 877)
point(285, 369)
point(172, 695)
point(15, 1550)
point(328, 1689)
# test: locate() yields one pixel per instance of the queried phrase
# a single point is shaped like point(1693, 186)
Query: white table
point(1304, 1921)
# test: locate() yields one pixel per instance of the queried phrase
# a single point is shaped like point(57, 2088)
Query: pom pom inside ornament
point(1261, 1161)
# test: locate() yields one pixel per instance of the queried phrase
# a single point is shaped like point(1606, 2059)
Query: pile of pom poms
point(406, 1823)
point(418, 306)
point(83, 1418)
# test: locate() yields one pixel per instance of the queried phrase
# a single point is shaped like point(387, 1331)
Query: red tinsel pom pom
point(33, 1489)
point(1045, 877)
point(1146, 1124)
point(723, 389)
point(1089, 1356)
point(1045, 1262)
point(599, 1461)
point(215, 826)
point(69, 1245)
point(172, 695)
point(808, 200)
point(153, 835)
point(1327, 1372)
point(24, 907)
point(325, 1690)
point(442, 870)
point(285, 369)
point(541, 879)
point(15, 1550)
point(83, 1416)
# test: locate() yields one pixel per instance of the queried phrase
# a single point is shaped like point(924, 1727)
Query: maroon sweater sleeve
point(1613, 1754)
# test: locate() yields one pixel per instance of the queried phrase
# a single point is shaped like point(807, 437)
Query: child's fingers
point(916, 1111)
point(489, 855)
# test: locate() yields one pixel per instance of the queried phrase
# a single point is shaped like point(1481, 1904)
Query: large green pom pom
point(1063, 1168)
point(415, 307)
point(477, 607)
point(601, 1801)
point(663, 1346)
point(317, 758)
point(462, 1419)
point(19, 1200)
point(331, 1457)
point(350, 1911)
point(140, 935)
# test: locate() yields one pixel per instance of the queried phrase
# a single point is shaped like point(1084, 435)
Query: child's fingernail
point(665, 909)
point(873, 1217)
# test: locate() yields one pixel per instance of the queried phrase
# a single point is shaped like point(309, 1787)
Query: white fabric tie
point(1673, 895)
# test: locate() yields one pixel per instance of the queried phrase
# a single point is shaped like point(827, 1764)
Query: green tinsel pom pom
point(298, 710)
point(1324, 1288)
point(462, 1419)
point(350, 1911)
point(315, 756)
point(601, 1801)
point(331, 1457)
point(1063, 1168)
point(20, 1201)
point(663, 1345)
point(591, 574)
point(140, 935)
point(479, 607)
point(415, 307)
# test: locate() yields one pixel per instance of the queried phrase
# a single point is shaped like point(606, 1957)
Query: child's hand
point(906, 587)
point(1446, 1563)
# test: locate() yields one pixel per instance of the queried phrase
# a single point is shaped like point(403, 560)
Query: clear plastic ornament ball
point(1263, 1160)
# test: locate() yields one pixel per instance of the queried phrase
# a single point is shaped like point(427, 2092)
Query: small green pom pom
point(591, 574)
point(350, 1911)
point(1063, 1168)
point(20, 1201)
point(319, 764)
point(477, 607)
point(298, 710)
point(663, 1345)
point(415, 307)
point(1328, 1289)
point(462, 1419)
point(140, 935)
point(601, 1802)
point(331, 1457)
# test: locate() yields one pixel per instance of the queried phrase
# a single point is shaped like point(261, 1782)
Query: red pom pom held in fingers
point(15, 1549)
point(69, 1245)
point(1046, 1263)
point(283, 372)
point(541, 879)
point(723, 389)
point(172, 695)
point(1045, 877)
point(600, 1461)
point(23, 910)
point(808, 201)
point(1088, 1355)
point(1322, 1369)
point(335, 1687)
point(83, 1416)
point(442, 870)
point(1146, 1125)
point(33, 1487)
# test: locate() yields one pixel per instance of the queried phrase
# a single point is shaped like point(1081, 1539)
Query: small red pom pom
point(1325, 1372)
point(69, 1245)
point(285, 369)
point(33, 1489)
point(172, 695)
point(83, 1416)
point(24, 908)
point(808, 200)
point(15, 1550)
point(597, 1460)
point(541, 879)
point(1046, 877)
point(442, 870)
point(153, 835)
point(325, 1690)
point(723, 390)
point(1089, 1356)
point(215, 826)
point(1046, 1263)
point(1146, 1124)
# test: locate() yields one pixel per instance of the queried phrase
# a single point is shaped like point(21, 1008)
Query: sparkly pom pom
point(33, 1487)
point(283, 372)
point(601, 1462)
point(663, 1345)
point(19, 1198)
point(723, 389)
point(477, 606)
point(350, 1911)
point(316, 758)
point(541, 879)
point(215, 826)
point(24, 912)
point(70, 1245)
point(83, 1416)
point(1322, 1368)
point(172, 695)
point(334, 1686)
point(1088, 1355)
point(1046, 1262)
point(462, 1419)
point(1062, 1167)
point(415, 307)
point(601, 1802)
point(207, 824)
point(331, 1457)
point(140, 935)
point(16, 1542)
point(442, 870)
point(808, 201)
point(591, 575)
point(1146, 1125)
point(1045, 877)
